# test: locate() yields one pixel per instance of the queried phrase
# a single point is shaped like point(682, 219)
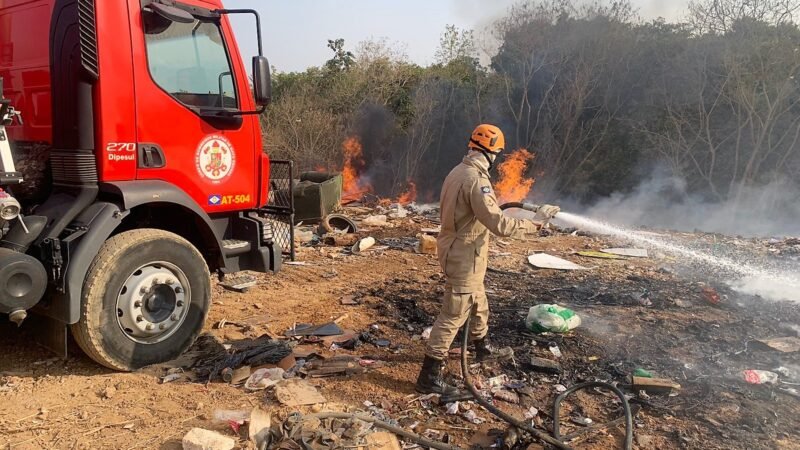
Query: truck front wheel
point(145, 299)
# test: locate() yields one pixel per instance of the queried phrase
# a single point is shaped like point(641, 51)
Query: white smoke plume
point(771, 210)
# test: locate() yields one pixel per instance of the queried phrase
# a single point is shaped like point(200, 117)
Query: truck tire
point(145, 299)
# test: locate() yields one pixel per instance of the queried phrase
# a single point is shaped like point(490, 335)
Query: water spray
point(752, 279)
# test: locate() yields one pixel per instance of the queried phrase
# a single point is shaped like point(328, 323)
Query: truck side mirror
point(262, 81)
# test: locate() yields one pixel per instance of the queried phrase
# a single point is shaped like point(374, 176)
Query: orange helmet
point(487, 138)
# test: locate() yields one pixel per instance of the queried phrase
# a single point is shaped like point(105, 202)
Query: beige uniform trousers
point(453, 315)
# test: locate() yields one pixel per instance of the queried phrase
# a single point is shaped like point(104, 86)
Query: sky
point(296, 32)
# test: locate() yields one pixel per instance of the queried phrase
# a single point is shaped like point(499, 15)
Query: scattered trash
point(327, 329)
point(337, 223)
point(711, 295)
point(583, 421)
point(545, 365)
point(398, 212)
point(545, 261)
point(426, 245)
point(200, 439)
point(531, 413)
point(760, 377)
point(349, 339)
point(498, 381)
point(382, 441)
point(452, 408)
point(259, 429)
point(555, 351)
point(338, 365)
point(303, 237)
point(426, 333)
point(171, 377)
point(297, 392)
point(363, 244)
point(252, 353)
point(505, 395)
point(639, 372)
point(560, 388)
point(340, 240)
point(433, 231)
point(552, 318)
point(239, 416)
point(349, 300)
point(784, 345)
point(376, 221)
point(264, 378)
point(472, 417)
point(655, 385)
point(631, 252)
point(600, 255)
point(241, 283)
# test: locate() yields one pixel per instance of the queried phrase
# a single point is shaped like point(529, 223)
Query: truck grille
point(73, 167)
point(88, 37)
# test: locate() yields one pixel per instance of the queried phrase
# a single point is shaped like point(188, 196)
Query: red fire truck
point(130, 170)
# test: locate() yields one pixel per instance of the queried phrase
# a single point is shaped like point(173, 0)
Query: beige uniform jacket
point(469, 213)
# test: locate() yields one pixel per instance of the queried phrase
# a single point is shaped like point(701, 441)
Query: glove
point(546, 212)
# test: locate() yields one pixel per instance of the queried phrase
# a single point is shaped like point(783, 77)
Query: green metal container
point(317, 195)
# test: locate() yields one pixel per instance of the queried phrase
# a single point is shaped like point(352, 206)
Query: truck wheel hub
point(153, 302)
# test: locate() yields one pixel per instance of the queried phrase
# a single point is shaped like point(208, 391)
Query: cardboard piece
point(784, 344)
point(259, 429)
point(632, 252)
point(382, 441)
point(601, 255)
point(294, 392)
point(655, 385)
point(545, 261)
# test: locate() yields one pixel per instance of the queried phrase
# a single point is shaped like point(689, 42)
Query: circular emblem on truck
point(215, 158)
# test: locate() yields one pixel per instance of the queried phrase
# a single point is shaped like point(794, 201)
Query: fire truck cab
point(130, 170)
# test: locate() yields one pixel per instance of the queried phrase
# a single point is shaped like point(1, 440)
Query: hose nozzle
point(526, 206)
point(530, 207)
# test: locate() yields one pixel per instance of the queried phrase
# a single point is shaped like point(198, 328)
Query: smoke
point(662, 201)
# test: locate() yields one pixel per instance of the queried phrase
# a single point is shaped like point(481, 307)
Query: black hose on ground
point(390, 428)
point(626, 408)
point(491, 408)
point(554, 440)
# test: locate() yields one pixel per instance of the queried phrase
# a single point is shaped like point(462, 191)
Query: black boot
point(430, 379)
point(483, 349)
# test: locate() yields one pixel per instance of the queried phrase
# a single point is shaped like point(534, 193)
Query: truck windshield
point(190, 62)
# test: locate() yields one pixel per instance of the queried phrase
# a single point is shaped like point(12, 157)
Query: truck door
point(189, 82)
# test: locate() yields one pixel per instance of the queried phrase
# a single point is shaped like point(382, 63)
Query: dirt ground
point(75, 404)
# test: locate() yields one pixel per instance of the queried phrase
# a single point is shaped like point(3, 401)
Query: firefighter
point(469, 212)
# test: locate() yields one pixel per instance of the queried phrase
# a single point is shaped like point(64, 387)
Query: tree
point(342, 59)
point(720, 16)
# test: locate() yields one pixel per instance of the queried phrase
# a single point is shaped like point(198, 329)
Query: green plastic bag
point(553, 318)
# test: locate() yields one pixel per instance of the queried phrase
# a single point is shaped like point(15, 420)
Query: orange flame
point(512, 185)
point(353, 186)
point(409, 195)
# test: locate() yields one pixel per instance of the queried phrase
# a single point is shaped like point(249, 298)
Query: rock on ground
point(200, 439)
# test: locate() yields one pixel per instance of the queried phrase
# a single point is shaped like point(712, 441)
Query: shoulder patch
point(486, 189)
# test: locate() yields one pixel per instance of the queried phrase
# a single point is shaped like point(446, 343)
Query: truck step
point(241, 283)
point(233, 247)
